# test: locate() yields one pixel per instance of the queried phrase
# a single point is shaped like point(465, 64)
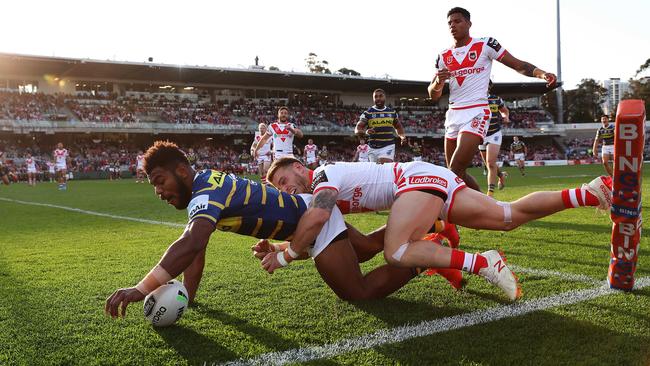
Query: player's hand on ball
point(270, 262)
point(262, 248)
point(551, 79)
point(116, 304)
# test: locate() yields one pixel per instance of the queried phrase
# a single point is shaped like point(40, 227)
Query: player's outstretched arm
point(505, 114)
point(528, 69)
point(263, 139)
point(309, 226)
point(176, 259)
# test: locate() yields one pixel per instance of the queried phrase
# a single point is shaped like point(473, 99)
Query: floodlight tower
point(558, 91)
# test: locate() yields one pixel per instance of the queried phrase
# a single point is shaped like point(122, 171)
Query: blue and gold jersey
point(518, 147)
point(495, 121)
point(245, 207)
point(383, 122)
point(606, 134)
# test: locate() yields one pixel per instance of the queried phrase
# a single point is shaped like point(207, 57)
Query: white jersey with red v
point(470, 67)
point(282, 137)
point(60, 155)
point(310, 151)
point(264, 149)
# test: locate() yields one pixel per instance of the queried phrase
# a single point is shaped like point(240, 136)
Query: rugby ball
point(164, 306)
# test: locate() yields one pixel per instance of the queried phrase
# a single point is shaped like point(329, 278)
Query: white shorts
point(417, 158)
point(263, 159)
point(421, 176)
point(494, 139)
point(278, 154)
point(139, 168)
point(51, 171)
point(475, 120)
point(31, 171)
point(311, 160)
point(607, 150)
point(333, 227)
point(60, 167)
point(386, 152)
point(520, 156)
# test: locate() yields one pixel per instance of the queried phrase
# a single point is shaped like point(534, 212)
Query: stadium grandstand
point(105, 112)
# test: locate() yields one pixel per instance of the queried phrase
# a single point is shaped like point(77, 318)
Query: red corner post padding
point(626, 207)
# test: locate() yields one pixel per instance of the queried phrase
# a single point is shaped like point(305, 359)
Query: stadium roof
point(204, 76)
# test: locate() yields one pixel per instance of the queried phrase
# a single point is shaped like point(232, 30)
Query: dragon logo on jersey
point(472, 55)
point(319, 178)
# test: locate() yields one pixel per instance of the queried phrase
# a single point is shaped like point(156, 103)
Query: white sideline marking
point(567, 176)
point(78, 210)
point(549, 273)
point(405, 332)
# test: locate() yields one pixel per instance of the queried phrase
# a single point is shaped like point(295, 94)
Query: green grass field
point(57, 268)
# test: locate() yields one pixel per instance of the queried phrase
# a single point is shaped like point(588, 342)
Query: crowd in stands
point(107, 107)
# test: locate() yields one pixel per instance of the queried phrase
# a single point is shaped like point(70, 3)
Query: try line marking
point(429, 327)
point(94, 213)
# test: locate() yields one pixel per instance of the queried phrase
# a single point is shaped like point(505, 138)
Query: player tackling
point(467, 66)
point(425, 192)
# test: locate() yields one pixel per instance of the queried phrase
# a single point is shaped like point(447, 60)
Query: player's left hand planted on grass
point(122, 297)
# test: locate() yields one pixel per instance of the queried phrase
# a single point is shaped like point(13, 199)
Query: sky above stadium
point(600, 38)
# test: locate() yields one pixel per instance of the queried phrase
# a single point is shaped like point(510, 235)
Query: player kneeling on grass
point(216, 200)
point(417, 193)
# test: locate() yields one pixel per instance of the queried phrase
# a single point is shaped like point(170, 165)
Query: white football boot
point(602, 191)
point(498, 274)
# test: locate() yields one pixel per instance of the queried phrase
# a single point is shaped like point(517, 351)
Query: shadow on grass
point(540, 338)
point(194, 347)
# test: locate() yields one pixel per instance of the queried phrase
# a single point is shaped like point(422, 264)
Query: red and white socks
point(579, 197)
point(467, 262)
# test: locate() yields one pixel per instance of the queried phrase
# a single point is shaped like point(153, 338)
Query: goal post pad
point(629, 142)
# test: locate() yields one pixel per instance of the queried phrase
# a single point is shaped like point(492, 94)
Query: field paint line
point(549, 273)
point(567, 176)
point(94, 213)
point(429, 327)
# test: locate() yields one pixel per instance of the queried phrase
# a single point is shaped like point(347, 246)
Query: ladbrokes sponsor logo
point(428, 179)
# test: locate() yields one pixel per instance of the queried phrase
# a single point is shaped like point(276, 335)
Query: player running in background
point(264, 154)
point(31, 170)
point(491, 145)
point(139, 168)
point(378, 123)
point(310, 152)
point(323, 156)
point(51, 172)
point(61, 157)
point(216, 200)
point(467, 66)
point(361, 154)
point(425, 192)
point(518, 152)
point(606, 134)
point(282, 132)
